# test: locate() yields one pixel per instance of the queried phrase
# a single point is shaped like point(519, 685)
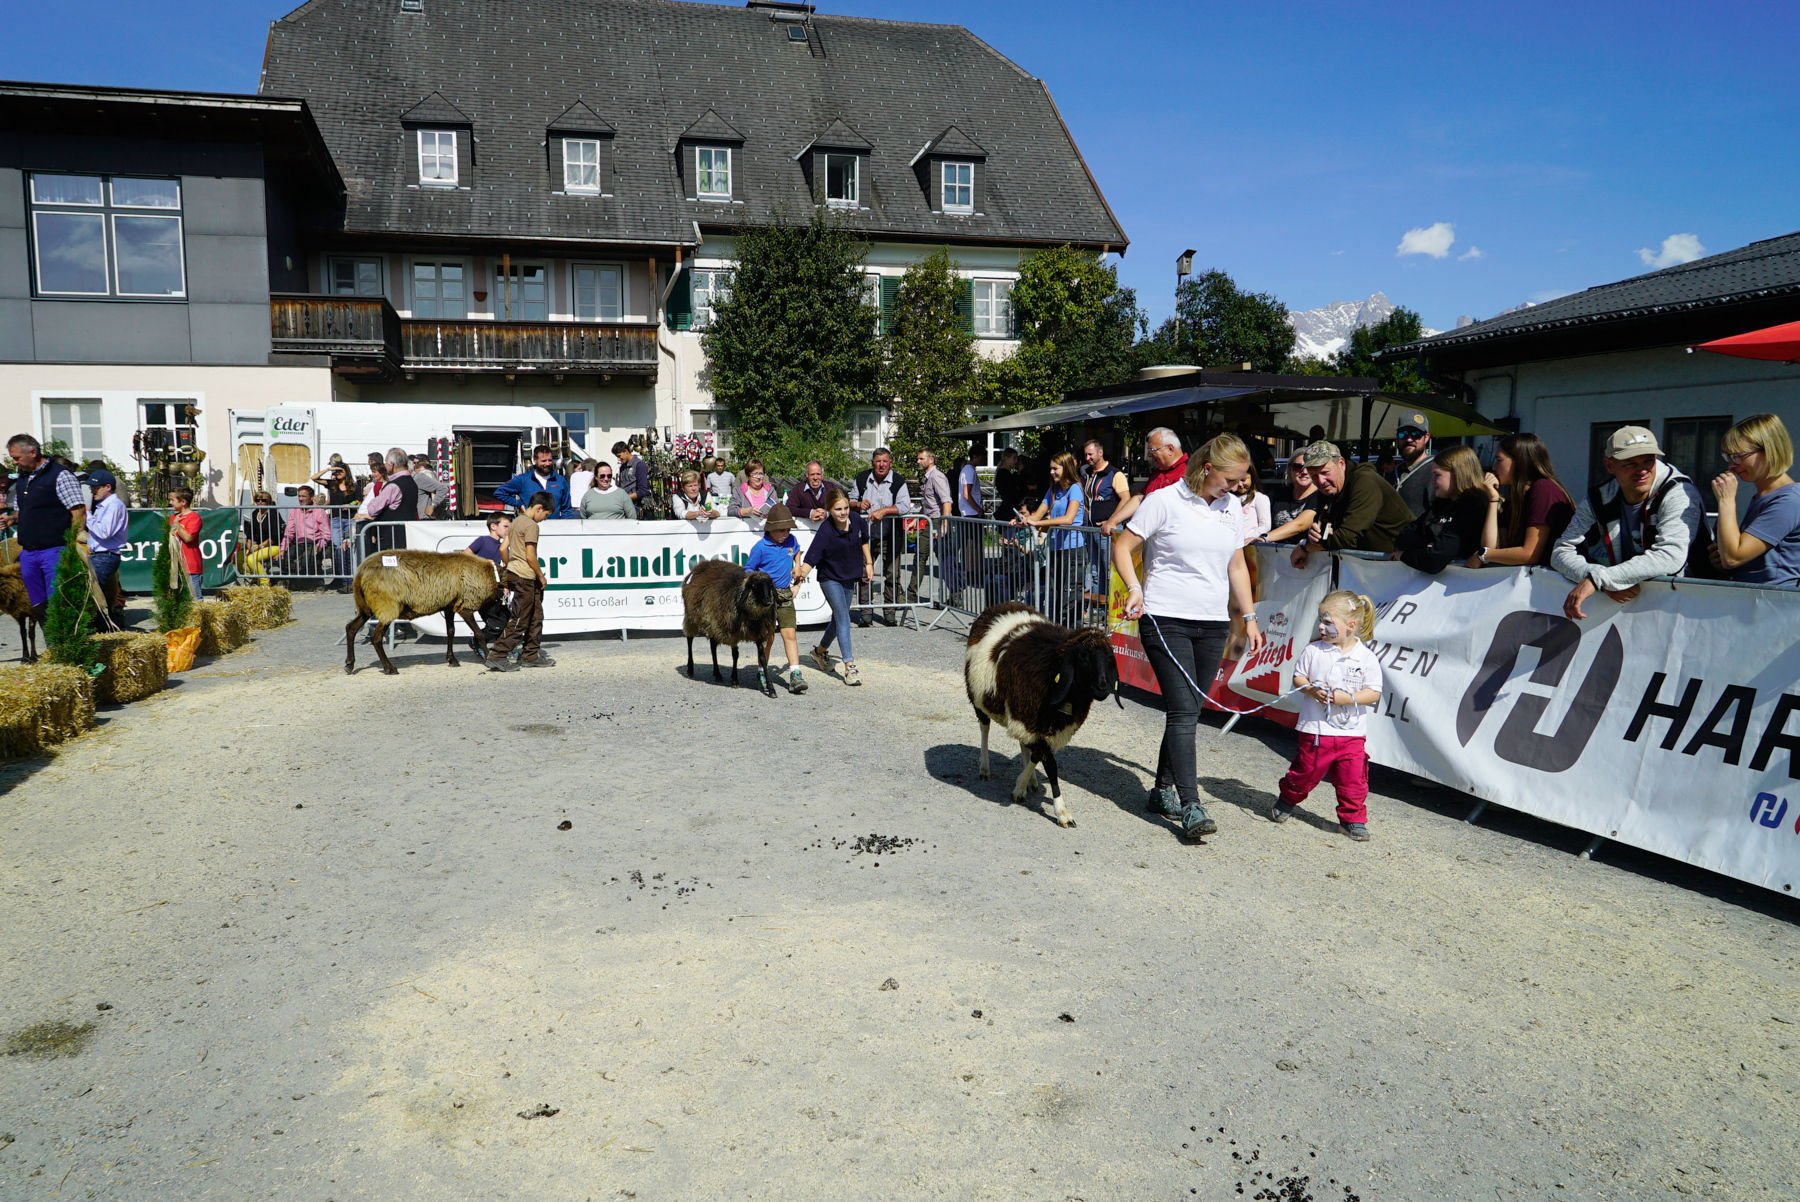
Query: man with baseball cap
point(1360, 511)
point(1646, 521)
point(1414, 481)
point(107, 527)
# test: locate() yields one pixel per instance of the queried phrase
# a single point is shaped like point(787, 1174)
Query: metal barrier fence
point(1064, 571)
point(321, 544)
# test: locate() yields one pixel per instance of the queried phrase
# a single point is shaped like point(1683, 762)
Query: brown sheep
point(1039, 680)
point(14, 601)
point(391, 585)
point(729, 605)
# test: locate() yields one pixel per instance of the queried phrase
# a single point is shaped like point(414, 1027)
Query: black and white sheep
point(391, 585)
point(729, 605)
point(1039, 680)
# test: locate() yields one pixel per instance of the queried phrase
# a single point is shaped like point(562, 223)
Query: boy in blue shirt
point(775, 553)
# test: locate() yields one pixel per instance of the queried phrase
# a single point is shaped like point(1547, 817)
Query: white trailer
point(283, 446)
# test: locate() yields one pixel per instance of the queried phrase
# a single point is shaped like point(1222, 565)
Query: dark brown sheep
point(1039, 680)
point(391, 585)
point(729, 605)
point(14, 601)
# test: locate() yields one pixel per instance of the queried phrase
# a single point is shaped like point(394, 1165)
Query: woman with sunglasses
point(1765, 548)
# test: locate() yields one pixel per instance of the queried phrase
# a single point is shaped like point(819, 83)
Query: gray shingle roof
point(1761, 271)
point(711, 128)
point(839, 136)
point(655, 67)
point(578, 118)
point(954, 143)
point(435, 110)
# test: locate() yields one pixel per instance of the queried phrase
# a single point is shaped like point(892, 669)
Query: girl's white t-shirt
point(1188, 544)
point(1352, 670)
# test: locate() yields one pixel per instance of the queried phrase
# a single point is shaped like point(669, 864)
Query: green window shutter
point(890, 295)
point(965, 305)
point(681, 300)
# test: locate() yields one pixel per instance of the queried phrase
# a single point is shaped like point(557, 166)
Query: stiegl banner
point(1671, 723)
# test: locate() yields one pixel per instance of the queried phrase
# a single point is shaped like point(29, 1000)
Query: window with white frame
point(718, 421)
point(581, 166)
point(440, 290)
point(711, 286)
point(841, 180)
point(437, 157)
point(76, 423)
point(872, 295)
point(959, 187)
point(598, 291)
point(865, 430)
point(112, 236)
point(523, 292)
point(712, 172)
point(993, 309)
point(173, 418)
point(354, 277)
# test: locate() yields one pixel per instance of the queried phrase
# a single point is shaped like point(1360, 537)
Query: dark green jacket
point(1368, 515)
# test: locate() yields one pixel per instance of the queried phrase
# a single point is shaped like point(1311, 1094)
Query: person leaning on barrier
point(1766, 549)
point(605, 500)
point(1535, 511)
point(1296, 516)
point(261, 537)
point(689, 504)
point(305, 548)
point(1450, 530)
point(1171, 466)
point(755, 496)
point(107, 529)
point(1643, 522)
point(541, 477)
point(807, 498)
point(525, 579)
point(880, 495)
point(721, 485)
point(1359, 511)
point(1063, 505)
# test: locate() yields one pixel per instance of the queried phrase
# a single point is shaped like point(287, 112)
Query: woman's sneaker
point(1357, 831)
point(821, 658)
point(1195, 822)
point(850, 676)
point(795, 683)
point(1163, 800)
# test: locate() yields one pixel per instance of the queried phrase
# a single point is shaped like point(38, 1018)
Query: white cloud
point(1337, 252)
point(1676, 248)
point(1433, 240)
point(1474, 252)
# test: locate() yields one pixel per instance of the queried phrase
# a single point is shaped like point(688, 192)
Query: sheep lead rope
point(1330, 706)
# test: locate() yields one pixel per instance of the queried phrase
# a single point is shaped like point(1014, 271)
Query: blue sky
point(1538, 147)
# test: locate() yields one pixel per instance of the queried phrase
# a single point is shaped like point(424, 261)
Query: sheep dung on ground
point(14, 601)
point(392, 585)
point(729, 605)
point(1039, 680)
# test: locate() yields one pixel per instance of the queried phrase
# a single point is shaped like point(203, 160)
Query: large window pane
point(149, 255)
point(599, 293)
point(65, 189)
point(437, 156)
point(71, 253)
point(581, 164)
point(840, 179)
point(356, 277)
point(146, 193)
point(525, 294)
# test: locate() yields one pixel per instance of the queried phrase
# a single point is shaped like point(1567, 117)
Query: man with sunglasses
point(1414, 482)
point(606, 501)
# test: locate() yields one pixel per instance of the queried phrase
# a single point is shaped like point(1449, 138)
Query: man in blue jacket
point(542, 477)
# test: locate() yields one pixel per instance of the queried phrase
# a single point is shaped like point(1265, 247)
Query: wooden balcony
point(360, 333)
point(534, 347)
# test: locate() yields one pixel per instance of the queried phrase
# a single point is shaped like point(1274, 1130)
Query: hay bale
point(41, 705)
point(222, 628)
point(264, 606)
point(137, 665)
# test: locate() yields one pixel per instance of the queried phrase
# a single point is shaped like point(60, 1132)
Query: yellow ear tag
point(1057, 679)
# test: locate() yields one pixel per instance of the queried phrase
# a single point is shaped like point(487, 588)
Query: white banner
point(1671, 723)
point(621, 575)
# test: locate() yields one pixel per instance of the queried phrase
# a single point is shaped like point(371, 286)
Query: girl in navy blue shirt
point(840, 553)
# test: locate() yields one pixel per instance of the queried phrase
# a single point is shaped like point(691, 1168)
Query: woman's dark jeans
point(1174, 646)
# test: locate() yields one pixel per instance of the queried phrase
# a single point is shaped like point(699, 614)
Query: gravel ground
point(317, 936)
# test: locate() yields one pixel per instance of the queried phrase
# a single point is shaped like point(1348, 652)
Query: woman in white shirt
point(688, 502)
point(1195, 579)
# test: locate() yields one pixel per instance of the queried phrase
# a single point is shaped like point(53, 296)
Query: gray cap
point(1628, 442)
point(1318, 454)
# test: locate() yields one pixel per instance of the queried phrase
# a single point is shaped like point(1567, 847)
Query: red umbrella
point(1780, 344)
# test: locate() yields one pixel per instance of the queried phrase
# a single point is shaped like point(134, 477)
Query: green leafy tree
point(793, 347)
point(69, 625)
point(930, 360)
point(172, 601)
point(1219, 324)
point(1395, 375)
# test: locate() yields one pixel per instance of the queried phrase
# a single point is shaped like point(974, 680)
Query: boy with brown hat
point(776, 552)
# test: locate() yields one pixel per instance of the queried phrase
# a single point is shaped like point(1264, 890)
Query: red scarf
point(1174, 475)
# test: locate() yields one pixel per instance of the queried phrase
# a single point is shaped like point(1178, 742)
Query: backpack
point(1700, 564)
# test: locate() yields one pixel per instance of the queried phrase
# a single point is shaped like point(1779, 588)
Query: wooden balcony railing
point(360, 329)
point(527, 346)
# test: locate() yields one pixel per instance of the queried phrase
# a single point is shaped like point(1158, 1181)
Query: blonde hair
point(1762, 432)
point(1222, 450)
point(1355, 606)
point(1464, 467)
point(689, 477)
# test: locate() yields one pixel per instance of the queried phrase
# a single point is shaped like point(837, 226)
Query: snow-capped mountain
point(1322, 333)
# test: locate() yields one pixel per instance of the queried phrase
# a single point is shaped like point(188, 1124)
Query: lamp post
point(1184, 267)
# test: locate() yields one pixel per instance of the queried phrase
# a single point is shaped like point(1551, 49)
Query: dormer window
point(959, 187)
point(581, 166)
point(437, 157)
point(712, 172)
point(842, 180)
